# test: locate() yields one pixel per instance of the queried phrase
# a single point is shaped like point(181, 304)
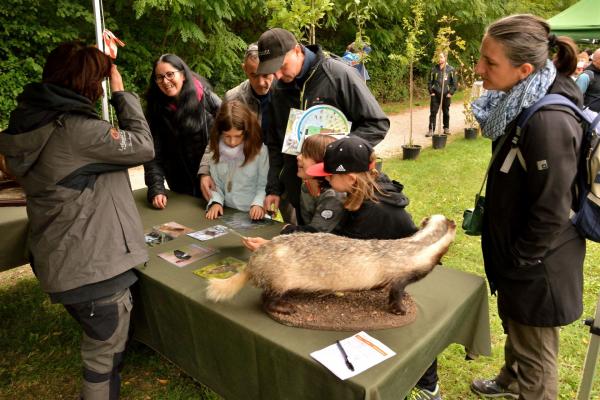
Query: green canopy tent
point(580, 21)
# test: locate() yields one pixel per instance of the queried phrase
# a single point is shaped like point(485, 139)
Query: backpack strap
point(547, 100)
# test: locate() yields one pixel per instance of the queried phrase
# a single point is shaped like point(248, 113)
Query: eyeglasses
point(158, 78)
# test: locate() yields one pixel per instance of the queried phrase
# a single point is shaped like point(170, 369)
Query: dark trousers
point(429, 379)
point(433, 109)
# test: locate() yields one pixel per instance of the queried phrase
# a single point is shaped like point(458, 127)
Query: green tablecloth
point(238, 351)
point(13, 237)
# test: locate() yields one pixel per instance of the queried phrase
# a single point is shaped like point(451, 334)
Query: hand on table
point(159, 201)
point(256, 212)
point(214, 211)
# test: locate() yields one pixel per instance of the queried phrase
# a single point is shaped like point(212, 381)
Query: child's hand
point(214, 211)
point(206, 185)
point(253, 243)
point(256, 212)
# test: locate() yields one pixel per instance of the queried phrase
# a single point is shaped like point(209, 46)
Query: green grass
point(39, 356)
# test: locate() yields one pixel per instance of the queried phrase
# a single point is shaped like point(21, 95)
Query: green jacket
point(84, 225)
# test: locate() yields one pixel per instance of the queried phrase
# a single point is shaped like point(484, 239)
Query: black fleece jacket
point(385, 219)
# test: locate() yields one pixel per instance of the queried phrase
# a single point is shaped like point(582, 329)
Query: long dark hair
point(77, 67)
point(236, 115)
point(188, 117)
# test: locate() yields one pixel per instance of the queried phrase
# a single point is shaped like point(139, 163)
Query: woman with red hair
point(85, 234)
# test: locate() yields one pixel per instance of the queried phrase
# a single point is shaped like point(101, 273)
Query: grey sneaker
point(490, 389)
point(424, 394)
point(429, 133)
point(447, 131)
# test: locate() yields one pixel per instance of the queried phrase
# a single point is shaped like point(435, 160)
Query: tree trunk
point(410, 102)
point(442, 97)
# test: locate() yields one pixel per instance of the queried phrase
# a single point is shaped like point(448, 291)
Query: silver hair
point(251, 52)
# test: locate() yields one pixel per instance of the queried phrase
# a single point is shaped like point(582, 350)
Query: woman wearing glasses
point(180, 110)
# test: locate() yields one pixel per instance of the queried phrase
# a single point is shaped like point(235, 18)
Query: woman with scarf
point(180, 110)
point(532, 253)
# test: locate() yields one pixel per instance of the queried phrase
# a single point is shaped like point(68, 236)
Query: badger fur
point(323, 262)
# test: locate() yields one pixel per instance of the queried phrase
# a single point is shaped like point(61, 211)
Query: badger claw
point(398, 308)
point(278, 305)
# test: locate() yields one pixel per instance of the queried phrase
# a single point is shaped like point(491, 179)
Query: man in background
point(589, 83)
point(442, 86)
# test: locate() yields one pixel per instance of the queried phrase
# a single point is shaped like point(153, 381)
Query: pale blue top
point(240, 187)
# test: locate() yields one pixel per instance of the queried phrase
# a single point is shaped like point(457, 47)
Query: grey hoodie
point(84, 226)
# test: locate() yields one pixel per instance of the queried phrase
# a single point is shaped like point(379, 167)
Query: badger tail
point(224, 289)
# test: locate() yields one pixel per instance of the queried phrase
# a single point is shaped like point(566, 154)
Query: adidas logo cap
point(348, 154)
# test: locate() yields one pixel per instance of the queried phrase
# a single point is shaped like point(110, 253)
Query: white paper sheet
point(363, 350)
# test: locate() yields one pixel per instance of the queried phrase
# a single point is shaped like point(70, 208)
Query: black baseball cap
point(348, 154)
point(272, 48)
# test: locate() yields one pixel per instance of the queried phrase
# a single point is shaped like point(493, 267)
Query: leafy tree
point(210, 35)
point(413, 50)
point(360, 14)
point(199, 31)
point(30, 30)
point(544, 9)
point(301, 17)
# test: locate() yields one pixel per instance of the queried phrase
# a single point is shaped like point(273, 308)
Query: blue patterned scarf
point(495, 109)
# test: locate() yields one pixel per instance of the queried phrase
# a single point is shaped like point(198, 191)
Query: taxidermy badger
point(323, 262)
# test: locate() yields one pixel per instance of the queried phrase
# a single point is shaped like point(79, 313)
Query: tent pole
point(100, 44)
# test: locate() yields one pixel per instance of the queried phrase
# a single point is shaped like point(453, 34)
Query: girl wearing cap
point(374, 209)
point(239, 163)
point(180, 108)
point(374, 204)
point(319, 203)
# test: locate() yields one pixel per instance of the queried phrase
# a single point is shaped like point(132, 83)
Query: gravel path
point(398, 134)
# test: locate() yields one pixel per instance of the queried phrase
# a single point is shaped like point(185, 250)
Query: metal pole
point(591, 358)
point(100, 44)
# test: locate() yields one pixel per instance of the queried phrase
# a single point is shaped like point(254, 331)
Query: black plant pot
point(470, 133)
point(410, 152)
point(439, 141)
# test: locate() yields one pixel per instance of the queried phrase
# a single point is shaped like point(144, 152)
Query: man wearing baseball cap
point(307, 77)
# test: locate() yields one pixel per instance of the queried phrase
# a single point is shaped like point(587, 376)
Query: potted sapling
point(413, 50)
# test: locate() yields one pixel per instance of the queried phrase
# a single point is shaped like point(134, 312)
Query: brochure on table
point(362, 351)
point(317, 119)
